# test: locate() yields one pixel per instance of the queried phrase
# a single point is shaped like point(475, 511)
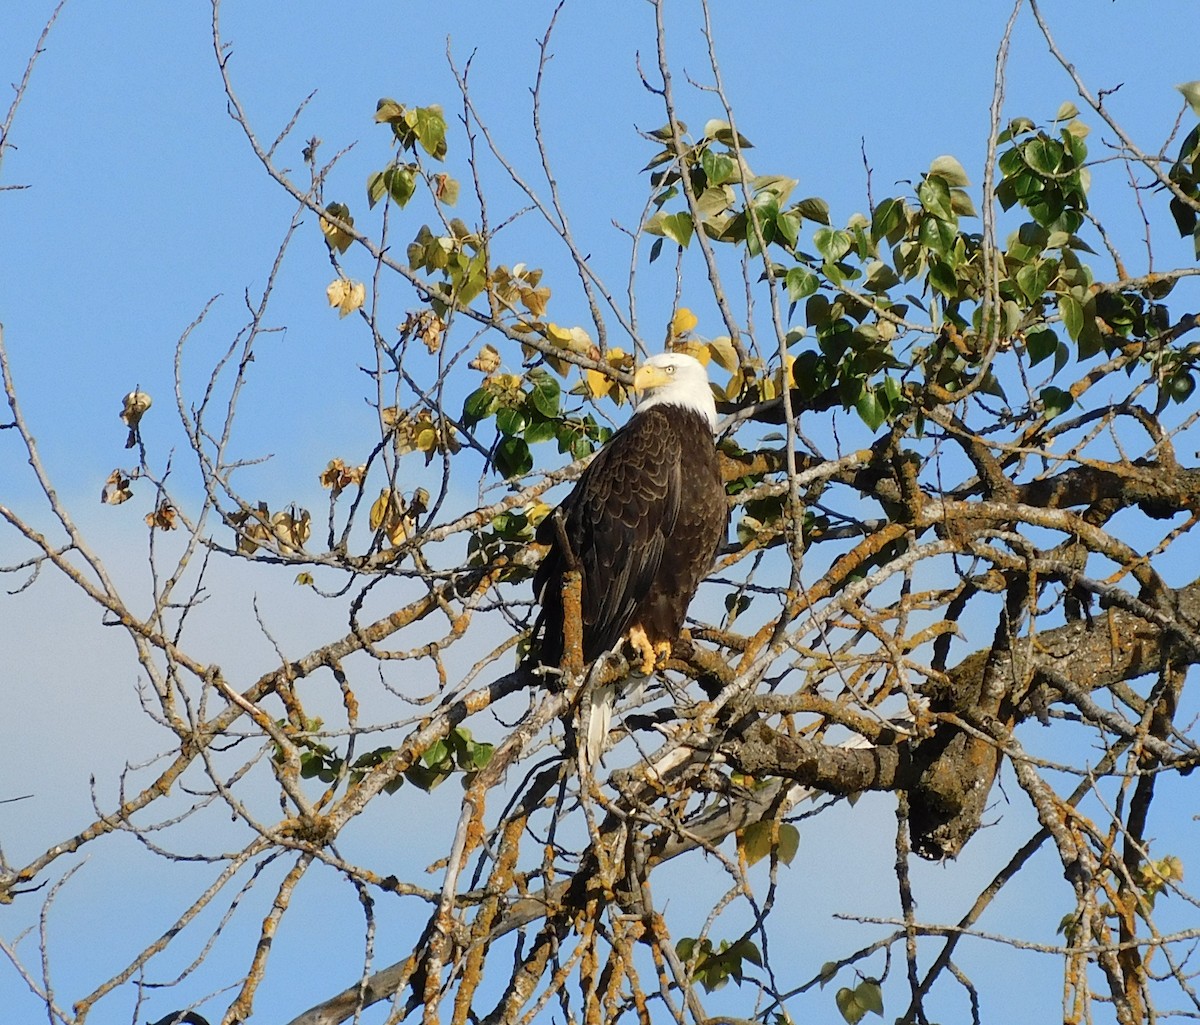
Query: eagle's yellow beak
point(649, 377)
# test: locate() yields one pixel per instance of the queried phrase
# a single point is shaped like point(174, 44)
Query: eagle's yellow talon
point(646, 652)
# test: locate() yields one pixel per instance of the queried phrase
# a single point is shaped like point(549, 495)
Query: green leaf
point(943, 278)
point(664, 134)
point(721, 131)
point(540, 430)
point(714, 202)
point(513, 458)
point(746, 950)
point(756, 841)
point(735, 605)
point(425, 778)
point(949, 170)
point(1191, 93)
point(814, 209)
point(429, 126)
point(818, 311)
point(962, 204)
point(888, 220)
point(870, 409)
point(546, 393)
point(678, 228)
point(1034, 278)
point(936, 233)
point(1067, 111)
point(1040, 344)
point(1018, 126)
point(880, 277)
point(848, 1005)
point(399, 182)
point(777, 185)
point(801, 283)
point(831, 244)
point(934, 195)
point(1043, 155)
point(718, 167)
point(479, 405)
point(788, 225)
point(1071, 310)
point(1055, 401)
point(870, 995)
point(510, 421)
point(789, 843)
point(1180, 386)
point(376, 188)
point(581, 445)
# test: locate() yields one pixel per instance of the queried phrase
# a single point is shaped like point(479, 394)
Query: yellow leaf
point(783, 376)
point(163, 518)
point(116, 489)
point(337, 238)
point(251, 528)
point(535, 300)
point(619, 358)
point(580, 341)
point(388, 514)
point(388, 110)
point(331, 476)
point(683, 321)
point(508, 383)
point(558, 335)
point(597, 383)
point(397, 529)
point(756, 840)
point(292, 527)
point(693, 349)
point(380, 508)
point(346, 296)
point(427, 326)
point(538, 512)
point(427, 438)
point(305, 579)
point(134, 407)
point(574, 338)
point(487, 361)
point(723, 353)
point(337, 475)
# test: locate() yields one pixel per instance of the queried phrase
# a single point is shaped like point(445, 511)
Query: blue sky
point(144, 201)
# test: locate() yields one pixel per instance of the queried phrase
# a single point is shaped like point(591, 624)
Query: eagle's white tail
point(599, 718)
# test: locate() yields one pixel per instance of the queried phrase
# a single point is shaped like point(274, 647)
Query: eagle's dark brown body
point(644, 521)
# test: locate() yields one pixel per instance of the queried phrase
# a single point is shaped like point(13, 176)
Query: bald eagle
point(643, 524)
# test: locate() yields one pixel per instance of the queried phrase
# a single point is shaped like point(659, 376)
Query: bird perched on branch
point(642, 526)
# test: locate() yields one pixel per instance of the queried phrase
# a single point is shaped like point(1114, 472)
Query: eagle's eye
point(670, 369)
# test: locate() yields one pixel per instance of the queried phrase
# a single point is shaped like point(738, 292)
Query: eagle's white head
point(676, 379)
